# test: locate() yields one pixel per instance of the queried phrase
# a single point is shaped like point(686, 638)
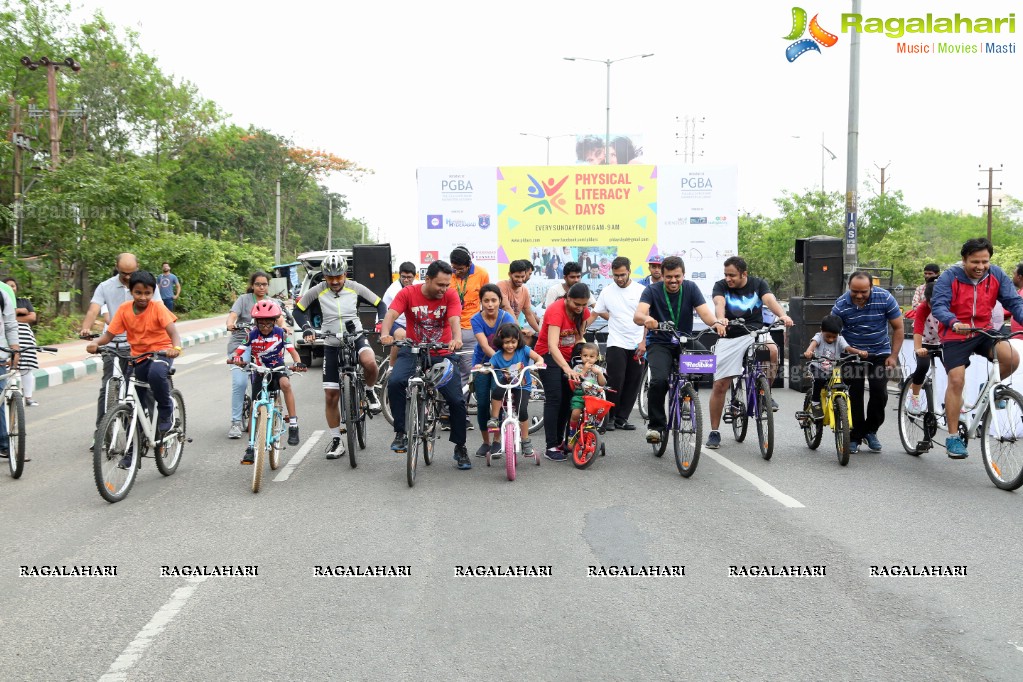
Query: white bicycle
point(12, 402)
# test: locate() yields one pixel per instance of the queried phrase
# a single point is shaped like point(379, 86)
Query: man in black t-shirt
point(670, 300)
point(739, 296)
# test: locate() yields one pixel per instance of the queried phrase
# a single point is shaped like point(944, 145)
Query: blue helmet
point(440, 374)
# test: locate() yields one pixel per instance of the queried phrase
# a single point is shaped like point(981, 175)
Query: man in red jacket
point(963, 298)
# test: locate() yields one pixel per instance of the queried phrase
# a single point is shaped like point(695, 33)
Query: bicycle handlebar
point(261, 369)
point(41, 349)
point(992, 333)
point(488, 369)
point(669, 327)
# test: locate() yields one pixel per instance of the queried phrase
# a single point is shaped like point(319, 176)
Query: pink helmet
point(265, 309)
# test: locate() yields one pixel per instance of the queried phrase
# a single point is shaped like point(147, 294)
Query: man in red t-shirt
point(433, 314)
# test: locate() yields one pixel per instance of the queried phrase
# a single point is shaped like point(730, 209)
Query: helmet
point(265, 309)
point(655, 259)
point(441, 373)
point(334, 265)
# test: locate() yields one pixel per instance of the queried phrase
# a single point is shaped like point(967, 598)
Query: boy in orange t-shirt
point(150, 329)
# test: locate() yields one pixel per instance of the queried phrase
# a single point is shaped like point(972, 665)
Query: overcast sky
point(402, 85)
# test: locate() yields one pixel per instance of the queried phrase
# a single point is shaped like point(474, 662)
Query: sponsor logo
point(484, 220)
point(434, 222)
point(453, 186)
point(698, 220)
point(697, 364)
point(428, 256)
point(818, 36)
point(699, 275)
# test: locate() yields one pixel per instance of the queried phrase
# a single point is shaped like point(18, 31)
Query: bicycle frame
point(510, 427)
point(269, 400)
point(987, 396)
point(834, 388)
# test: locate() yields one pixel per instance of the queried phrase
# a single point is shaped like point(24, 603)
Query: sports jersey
point(268, 350)
point(338, 308)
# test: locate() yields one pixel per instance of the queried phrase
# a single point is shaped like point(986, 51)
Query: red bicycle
point(586, 444)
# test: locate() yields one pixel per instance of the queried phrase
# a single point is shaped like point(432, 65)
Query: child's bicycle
point(586, 444)
point(834, 410)
point(268, 421)
point(511, 436)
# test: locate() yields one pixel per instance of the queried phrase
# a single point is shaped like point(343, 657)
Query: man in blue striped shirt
point(867, 313)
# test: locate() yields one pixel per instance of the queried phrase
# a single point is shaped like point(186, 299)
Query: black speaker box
point(822, 266)
point(806, 314)
point(372, 266)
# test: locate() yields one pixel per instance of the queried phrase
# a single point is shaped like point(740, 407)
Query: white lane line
point(130, 656)
point(189, 358)
point(293, 463)
point(762, 485)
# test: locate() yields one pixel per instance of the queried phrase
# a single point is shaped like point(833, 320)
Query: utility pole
point(330, 223)
point(852, 150)
point(277, 240)
point(689, 138)
point(51, 90)
point(883, 169)
point(990, 193)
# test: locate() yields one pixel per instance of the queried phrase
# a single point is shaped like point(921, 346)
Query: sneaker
point(35, 403)
point(572, 435)
point(774, 405)
point(872, 442)
point(527, 448)
point(495, 450)
point(445, 422)
point(462, 458)
point(555, 454)
point(609, 425)
point(335, 448)
point(955, 448)
point(373, 401)
point(483, 450)
point(854, 447)
point(250, 456)
point(125, 462)
point(235, 431)
point(5, 455)
point(817, 411)
point(653, 436)
point(293, 434)
point(493, 425)
point(714, 440)
point(469, 426)
point(915, 404)
point(624, 425)
point(400, 442)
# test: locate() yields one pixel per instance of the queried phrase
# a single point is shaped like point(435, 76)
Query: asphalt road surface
point(443, 621)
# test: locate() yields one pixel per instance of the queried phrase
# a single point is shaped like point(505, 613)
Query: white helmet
point(334, 265)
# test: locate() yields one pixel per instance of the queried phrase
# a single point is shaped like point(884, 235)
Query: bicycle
point(127, 431)
point(268, 421)
point(917, 430)
point(685, 418)
point(12, 402)
point(835, 412)
point(354, 406)
point(511, 434)
point(750, 392)
point(997, 420)
point(644, 390)
point(587, 443)
point(421, 408)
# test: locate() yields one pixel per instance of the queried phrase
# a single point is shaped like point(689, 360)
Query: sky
point(405, 85)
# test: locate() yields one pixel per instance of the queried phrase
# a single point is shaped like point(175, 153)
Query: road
point(629, 508)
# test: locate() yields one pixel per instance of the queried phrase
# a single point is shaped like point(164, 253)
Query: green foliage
point(57, 330)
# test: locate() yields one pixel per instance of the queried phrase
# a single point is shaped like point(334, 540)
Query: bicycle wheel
point(813, 429)
point(414, 422)
point(765, 418)
point(669, 415)
point(586, 447)
point(737, 404)
point(429, 432)
point(115, 439)
point(840, 413)
point(535, 407)
point(361, 410)
point(262, 419)
point(470, 397)
point(688, 437)
point(1001, 440)
point(247, 408)
point(174, 440)
point(381, 390)
point(644, 390)
point(16, 433)
point(509, 450)
point(113, 391)
point(911, 426)
point(277, 430)
point(349, 408)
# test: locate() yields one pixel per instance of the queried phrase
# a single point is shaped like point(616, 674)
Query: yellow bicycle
point(833, 412)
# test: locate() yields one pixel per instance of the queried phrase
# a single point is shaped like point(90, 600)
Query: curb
point(62, 374)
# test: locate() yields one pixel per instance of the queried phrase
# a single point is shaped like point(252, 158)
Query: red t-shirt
point(1015, 326)
point(427, 319)
point(557, 316)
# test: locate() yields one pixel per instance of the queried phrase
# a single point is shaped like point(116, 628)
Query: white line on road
point(299, 456)
point(762, 485)
point(130, 656)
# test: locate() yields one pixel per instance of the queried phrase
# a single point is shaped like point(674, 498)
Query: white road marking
point(762, 485)
point(189, 358)
point(293, 463)
point(1017, 646)
point(130, 656)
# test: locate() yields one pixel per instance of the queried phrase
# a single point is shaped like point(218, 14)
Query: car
point(311, 261)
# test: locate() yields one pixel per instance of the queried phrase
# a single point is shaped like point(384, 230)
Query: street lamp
point(824, 159)
point(548, 138)
point(608, 62)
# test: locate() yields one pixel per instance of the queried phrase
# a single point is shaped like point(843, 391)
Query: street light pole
point(608, 62)
point(823, 160)
point(548, 138)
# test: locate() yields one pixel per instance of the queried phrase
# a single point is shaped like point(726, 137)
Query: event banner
point(458, 207)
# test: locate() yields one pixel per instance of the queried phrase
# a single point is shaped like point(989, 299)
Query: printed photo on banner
point(621, 149)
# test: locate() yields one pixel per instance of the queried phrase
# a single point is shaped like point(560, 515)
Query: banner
point(457, 207)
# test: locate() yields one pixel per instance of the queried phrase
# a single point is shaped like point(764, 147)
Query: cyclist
point(674, 299)
point(8, 304)
point(434, 315)
point(829, 345)
point(339, 304)
point(925, 330)
point(513, 355)
point(964, 296)
point(736, 296)
point(259, 286)
point(591, 382)
point(406, 275)
point(267, 344)
point(485, 324)
point(149, 327)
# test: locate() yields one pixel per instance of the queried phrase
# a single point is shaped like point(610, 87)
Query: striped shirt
point(866, 328)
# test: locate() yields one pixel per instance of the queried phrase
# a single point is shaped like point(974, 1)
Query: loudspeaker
point(822, 266)
point(372, 266)
point(806, 314)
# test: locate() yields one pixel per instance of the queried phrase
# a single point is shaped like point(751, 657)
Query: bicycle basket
point(761, 353)
point(597, 407)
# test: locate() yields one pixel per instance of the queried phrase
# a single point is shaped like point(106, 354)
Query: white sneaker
point(235, 431)
point(335, 448)
point(371, 399)
point(915, 404)
point(31, 403)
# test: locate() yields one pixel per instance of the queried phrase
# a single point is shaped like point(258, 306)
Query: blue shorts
point(396, 326)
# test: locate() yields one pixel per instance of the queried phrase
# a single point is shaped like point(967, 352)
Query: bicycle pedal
point(727, 417)
point(923, 445)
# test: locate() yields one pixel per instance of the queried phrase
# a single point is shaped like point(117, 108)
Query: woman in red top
point(563, 326)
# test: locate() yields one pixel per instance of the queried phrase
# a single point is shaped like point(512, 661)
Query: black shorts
point(331, 372)
point(520, 400)
point(257, 384)
point(957, 353)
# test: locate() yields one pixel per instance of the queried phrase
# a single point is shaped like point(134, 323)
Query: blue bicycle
point(750, 394)
point(268, 421)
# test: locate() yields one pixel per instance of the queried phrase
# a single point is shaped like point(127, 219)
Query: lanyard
point(676, 315)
